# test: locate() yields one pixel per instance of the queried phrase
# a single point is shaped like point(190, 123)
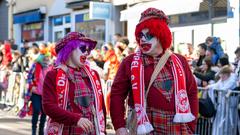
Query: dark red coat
point(50, 103)
point(122, 87)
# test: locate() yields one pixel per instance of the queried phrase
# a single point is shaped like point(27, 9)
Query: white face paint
point(78, 58)
point(149, 44)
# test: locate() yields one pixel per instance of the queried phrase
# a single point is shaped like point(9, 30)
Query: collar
point(148, 60)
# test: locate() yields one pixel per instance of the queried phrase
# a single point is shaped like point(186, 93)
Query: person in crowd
point(25, 47)
point(1, 60)
point(111, 63)
point(51, 48)
point(98, 58)
point(72, 95)
point(227, 80)
point(110, 69)
point(116, 37)
point(16, 62)
point(165, 101)
point(35, 80)
point(24, 57)
point(132, 48)
point(16, 91)
point(237, 67)
point(7, 55)
point(202, 48)
point(237, 59)
point(190, 53)
point(223, 61)
point(43, 47)
point(93, 64)
point(4, 83)
point(205, 75)
point(121, 48)
point(215, 44)
point(33, 53)
point(14, 46)
point(211, 52)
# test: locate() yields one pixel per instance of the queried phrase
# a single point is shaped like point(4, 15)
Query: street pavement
point(10, 124)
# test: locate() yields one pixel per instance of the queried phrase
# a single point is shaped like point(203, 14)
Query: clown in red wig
point(159, 84)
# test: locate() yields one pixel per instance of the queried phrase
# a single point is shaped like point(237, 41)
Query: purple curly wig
point(65, 52)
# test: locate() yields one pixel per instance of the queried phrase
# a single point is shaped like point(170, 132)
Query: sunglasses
point(147, 36)
point(85, 49)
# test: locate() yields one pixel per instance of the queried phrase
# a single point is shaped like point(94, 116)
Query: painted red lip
point(83, 59)
point(145, 47)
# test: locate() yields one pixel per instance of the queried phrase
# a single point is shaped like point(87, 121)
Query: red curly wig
point(158, 27)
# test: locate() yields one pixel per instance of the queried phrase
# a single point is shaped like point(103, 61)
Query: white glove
point(122, 131)
point(85, 124)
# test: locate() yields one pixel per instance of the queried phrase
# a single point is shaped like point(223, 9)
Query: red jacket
point(50, 102)
point(122, 87)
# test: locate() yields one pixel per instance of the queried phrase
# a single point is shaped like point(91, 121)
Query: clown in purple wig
point(72, 95)
point(72, 41)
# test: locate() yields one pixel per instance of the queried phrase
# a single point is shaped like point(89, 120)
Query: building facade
point(30, 19)
point(97, 19)
point(49, 21)
point(3, 20)
point(193, 22)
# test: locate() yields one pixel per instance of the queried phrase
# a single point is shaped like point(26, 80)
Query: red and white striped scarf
point(183, 110)
point(62, 84)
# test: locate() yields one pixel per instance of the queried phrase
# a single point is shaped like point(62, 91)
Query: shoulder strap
point(158, 68)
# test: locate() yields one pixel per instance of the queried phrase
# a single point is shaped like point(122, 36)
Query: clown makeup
point(79, 56)
point(149, 44)
point(85, 49)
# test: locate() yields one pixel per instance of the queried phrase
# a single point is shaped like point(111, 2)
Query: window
point(57, 35)
point(58, 21)
point(33, 32)
point(67, 19)
point(91, 28)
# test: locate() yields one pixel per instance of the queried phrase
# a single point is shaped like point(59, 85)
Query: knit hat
point(74, 36)
point(157, 22)
point(153, 13)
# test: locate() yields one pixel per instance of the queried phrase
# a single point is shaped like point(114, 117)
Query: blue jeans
point(37, 109)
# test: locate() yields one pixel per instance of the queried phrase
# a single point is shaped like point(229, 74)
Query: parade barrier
point(226, 103)
point(226, 119)
point(14, 95)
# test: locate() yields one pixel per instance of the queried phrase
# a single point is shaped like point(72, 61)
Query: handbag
point(206, 107)
point(132, 115)
point(132, 122)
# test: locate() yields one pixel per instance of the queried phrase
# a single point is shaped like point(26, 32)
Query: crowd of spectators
point(210, 65)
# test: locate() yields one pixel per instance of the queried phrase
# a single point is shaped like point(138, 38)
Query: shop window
point(189, 18)
point(57, 35)
point(94, 29)
point(67, 19)
point(58, 21)
point(67, 30)
point(33, 32)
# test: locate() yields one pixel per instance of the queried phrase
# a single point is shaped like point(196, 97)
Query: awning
point(28, 17)
point(74, 4)
point(169, 7)
point(58, 8)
